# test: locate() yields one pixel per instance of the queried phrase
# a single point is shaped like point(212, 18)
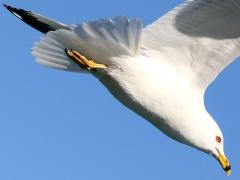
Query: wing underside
point(206, 31)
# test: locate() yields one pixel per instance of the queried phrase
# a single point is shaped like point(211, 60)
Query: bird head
point(206, 136)
point(216, 150)
point(214, 146)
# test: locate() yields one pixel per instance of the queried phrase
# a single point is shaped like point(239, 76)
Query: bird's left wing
point(205, 32)
point(37, 21)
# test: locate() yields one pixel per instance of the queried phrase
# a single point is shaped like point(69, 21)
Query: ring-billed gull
point(161, 71)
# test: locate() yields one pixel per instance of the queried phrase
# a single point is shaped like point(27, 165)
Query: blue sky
point(50, 129)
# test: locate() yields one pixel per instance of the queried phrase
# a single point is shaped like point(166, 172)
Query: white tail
point(100, 40)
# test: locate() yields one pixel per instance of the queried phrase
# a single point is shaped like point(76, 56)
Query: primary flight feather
point(161, 71)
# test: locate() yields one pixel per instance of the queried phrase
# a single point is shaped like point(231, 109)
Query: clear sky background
point(63, 126)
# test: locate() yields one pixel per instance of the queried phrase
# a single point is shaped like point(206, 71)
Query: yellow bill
point(224, 163)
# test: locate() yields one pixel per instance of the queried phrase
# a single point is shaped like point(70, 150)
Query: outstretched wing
point(205, 32)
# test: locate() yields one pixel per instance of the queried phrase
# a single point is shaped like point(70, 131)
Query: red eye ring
point(218, 139)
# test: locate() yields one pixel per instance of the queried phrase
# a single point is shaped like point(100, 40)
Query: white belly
point(149, 88)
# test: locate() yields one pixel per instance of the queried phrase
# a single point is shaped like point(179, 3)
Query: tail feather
point(107, 38)
point(50, 51)
point(100, 40)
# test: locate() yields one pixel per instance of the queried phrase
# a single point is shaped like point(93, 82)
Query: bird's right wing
point(201, 37)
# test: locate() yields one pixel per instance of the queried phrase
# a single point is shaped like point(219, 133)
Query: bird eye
point(218, 139)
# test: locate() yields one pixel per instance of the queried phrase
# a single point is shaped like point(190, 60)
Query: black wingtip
point(8, 7)
point(36, 21)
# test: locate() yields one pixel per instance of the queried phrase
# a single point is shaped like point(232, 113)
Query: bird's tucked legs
point(82, 61)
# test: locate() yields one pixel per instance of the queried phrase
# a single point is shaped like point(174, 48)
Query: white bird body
point(157, 92)
point(160, 72)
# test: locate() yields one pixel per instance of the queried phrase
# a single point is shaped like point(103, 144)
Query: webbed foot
point(82, 61)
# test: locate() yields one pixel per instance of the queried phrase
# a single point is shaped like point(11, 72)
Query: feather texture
point(99, 40)
point(206, 32)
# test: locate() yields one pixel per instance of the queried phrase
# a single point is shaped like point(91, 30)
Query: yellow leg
point(83, 62)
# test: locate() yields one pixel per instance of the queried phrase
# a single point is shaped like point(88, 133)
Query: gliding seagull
point(161, 71)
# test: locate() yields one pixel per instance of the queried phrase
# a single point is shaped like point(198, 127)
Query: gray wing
point(202, 37)
point(37, 21)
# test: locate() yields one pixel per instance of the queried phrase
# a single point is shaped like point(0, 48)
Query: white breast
point(153, 89)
